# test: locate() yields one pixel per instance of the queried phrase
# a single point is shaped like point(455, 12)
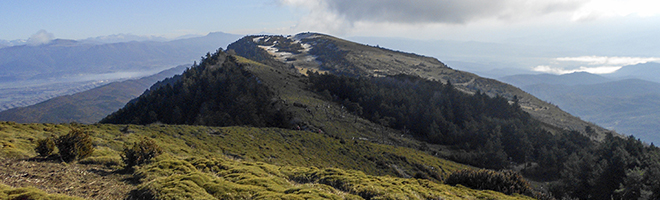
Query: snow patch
point(257, 39)
point(279, 55)
point(301, 59)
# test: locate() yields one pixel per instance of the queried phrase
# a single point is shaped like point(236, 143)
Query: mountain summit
point(327, 54)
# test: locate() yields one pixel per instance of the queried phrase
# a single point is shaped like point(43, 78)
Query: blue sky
point(77, 19)
point(538, 22)
point(464, 19)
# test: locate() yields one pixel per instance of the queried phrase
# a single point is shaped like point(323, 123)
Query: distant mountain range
point(88, 106)
point(628, 106)
point(63, 58)
point(30, 74)
point(646, 71)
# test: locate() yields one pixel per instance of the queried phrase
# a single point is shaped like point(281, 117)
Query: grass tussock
point(7, 192)
point(200, 178)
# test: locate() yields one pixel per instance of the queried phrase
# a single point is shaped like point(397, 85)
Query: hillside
point(628, 106)
point(323, 53)
point(88, 106)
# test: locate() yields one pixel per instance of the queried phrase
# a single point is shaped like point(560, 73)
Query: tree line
point(217, 92)
point(494, 132)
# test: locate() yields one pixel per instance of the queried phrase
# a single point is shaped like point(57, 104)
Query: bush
point(507, 182)
point(141, 153)
point(45, 147)
point(75, 145)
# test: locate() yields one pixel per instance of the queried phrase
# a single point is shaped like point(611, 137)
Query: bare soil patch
point(89, 181)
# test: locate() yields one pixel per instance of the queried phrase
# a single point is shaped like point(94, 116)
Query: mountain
point(321, 84)
point(230, 90)
point(88, 106)
point(628, 106)
point(118, 38)
point(323, 53)
point(31, 74)
point(5, 43)
point(312, 116)
point(577, 78)
point(645, 71)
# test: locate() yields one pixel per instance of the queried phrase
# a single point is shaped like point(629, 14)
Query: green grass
point(271, 145)
point(231, 179)
point(244, 162)
point(7, 192)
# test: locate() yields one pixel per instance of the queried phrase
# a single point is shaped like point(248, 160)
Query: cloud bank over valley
point(591, 64)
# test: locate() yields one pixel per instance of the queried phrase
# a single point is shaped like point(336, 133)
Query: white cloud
point(604, 60)
point(561, 70)
point(597, 9)
point(342, 16)
point(595, 64)
point(550, 69)
point(446, 11)
point(318, 19)
point(39, 38)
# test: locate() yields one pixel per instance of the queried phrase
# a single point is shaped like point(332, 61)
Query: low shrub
point(45, 147)
point(507, 182)
point(108, 161)
point(75, 145)
point(141, 153)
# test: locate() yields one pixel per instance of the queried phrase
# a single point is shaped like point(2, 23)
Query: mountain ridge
point(348, 58)
point(645, 71)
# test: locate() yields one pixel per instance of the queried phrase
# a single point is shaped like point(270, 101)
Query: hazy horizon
point(552, 36)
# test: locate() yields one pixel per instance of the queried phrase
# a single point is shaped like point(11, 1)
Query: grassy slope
point(291, 154)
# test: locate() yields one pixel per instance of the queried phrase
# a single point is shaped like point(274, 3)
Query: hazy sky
point(522, 21)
